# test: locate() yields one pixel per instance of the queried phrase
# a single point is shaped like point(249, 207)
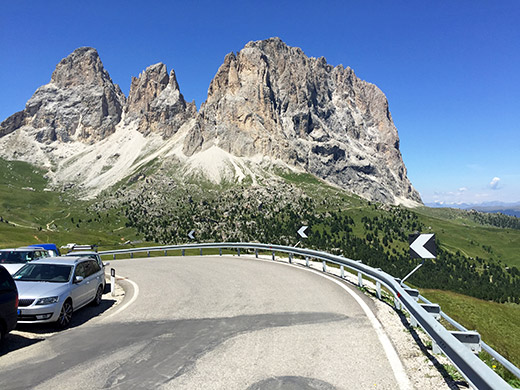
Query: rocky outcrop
point(156, 103)
point(80, 103)
point(271, 99)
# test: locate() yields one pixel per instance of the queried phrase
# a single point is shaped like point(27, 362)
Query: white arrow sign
point(190, 235)
point(301, 232)
point(424, 246)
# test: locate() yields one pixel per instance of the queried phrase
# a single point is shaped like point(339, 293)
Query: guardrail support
point(378, 289)
point(413, 293)
point(324, 266)
point(470, 339)
point(290, 258)
point(165, 253)
point(220, 251)
point(433, 309)
point(148, 254)
point(360, 279)
point(256, 253)
point(183, 252)
point(238, 251)
point(201, 251)
point(306, 261)
point(342, 271)
point(114, 256)
point(131, 255)
point(273, 256)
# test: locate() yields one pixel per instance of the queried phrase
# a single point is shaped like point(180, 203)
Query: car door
point(80, 290)
point(94, 278)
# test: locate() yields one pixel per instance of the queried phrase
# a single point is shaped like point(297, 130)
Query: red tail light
point(16, 303)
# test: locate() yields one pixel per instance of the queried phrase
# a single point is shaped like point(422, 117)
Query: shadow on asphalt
point(26, 335)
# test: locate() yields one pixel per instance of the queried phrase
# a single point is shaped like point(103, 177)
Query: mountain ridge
point(268, 103)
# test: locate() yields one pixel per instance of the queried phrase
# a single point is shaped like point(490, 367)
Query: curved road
point(213, 323)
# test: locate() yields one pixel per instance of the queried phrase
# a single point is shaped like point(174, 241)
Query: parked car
point(71, 283)
point(14, 259)
point(8, 303)
point(90, 255)
point(52, 249)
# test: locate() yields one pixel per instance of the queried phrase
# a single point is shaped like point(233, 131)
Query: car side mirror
point(106, 264)
point(78, 279)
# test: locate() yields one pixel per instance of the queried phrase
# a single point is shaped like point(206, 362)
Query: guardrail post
point(435, 348)
point(148, 254)
point(273, 256)
point(238, 251)
point(469, 339)
point(342, 268)
point(324, 266)
point(131, 255)
point(114, 256)
point(378, 290)
point(201, 251)
point(306, 261)
point(290, 258)
point(256, 253)
point(220, 251)
point(165, 253)
point(360, 279)
point(183, 253)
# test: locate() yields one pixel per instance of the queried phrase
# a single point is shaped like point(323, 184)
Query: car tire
point(65, 314)
point(99, 296)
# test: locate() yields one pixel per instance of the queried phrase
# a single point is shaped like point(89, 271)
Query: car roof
point(23, 249)
point(63, 260)
point(81, 253)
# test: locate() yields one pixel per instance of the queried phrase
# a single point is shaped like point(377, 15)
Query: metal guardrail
point(474, 370)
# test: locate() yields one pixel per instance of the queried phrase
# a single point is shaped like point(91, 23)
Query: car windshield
point(33, 272)
point(11, 257)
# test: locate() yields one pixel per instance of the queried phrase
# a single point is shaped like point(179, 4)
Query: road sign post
point(422, 246)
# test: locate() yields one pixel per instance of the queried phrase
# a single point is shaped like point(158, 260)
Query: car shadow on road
point(26, 335)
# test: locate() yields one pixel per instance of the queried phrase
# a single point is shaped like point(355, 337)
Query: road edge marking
point(132, 300)
point(391, 354)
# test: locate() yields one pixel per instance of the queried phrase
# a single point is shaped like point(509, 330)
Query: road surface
point(212, 323)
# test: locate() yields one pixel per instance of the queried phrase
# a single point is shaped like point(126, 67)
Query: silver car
point(51, 289)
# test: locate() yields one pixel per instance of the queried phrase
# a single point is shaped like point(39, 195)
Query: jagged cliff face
point(269, 102)
point(271, 99)
point(80, 103)
point(156, 103)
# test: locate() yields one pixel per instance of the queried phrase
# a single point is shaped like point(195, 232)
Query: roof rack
point(79, 247)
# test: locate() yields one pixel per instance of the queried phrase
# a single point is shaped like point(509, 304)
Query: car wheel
point(99, 296)
point(65, 314)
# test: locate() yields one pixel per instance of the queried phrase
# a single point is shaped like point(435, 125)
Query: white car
point(51, 289)
point(14, 259)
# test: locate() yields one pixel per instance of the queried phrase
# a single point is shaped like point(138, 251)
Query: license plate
point(19, 312)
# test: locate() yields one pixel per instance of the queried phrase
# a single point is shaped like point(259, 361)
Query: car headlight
point(47, 301)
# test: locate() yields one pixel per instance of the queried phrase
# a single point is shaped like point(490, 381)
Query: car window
point(35, 272)
point(95, 266)
point(81, 269)
point(92, 267)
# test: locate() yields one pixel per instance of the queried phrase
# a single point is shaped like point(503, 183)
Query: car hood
point(40, 289)
point(13, 267)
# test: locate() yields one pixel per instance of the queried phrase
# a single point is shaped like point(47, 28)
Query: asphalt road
point(212, 323)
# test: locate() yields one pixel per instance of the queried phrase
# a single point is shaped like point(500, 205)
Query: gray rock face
point(80, 102)
point(271, 99)
point(156, 103)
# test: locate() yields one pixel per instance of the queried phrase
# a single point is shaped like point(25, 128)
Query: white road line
point(391, 354)
point(132, 300)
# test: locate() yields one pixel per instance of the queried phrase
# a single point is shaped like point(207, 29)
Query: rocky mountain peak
point(156, 103)
point(271, 99)
point(82, 66)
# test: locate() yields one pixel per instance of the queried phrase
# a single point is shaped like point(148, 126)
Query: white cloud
point(494, 185)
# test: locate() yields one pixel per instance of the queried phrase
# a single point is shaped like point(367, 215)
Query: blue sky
point(450, 69)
